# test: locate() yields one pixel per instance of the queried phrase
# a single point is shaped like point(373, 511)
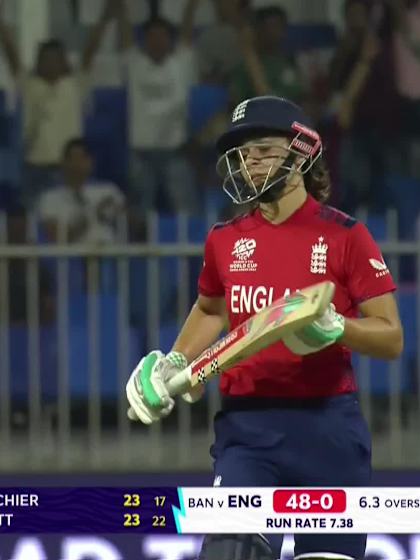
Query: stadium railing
point(62, 377)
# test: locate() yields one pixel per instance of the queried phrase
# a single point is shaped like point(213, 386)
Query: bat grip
point(180, 382)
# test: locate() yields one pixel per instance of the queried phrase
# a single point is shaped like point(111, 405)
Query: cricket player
point(290, 414)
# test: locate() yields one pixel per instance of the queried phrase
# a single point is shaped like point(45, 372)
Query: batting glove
point(146, 389)
point(320, 334)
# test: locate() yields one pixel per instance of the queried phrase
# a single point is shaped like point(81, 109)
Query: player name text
point(6, 519)
point(19, 500)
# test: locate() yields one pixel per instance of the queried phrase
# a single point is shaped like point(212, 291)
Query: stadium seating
point(406, 193)
point(205, 102)
point(106, 132)
point(377, 226)
point(301, 37)
point(79, 342)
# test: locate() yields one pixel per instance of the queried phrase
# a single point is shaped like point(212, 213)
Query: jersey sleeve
point(209, 281)
point(366, 271)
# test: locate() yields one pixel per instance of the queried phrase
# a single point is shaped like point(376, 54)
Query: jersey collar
point(308, 208)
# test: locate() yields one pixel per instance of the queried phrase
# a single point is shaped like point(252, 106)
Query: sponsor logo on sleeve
point(380, 267)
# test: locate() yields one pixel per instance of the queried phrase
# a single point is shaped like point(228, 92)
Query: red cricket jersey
point(252, 262)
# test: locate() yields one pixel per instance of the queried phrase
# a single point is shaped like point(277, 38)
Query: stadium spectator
point(53, 96)
point(81, 210)
point(407, 51)
point(17, 234)
point(219, 53)
point(362, 66)
point(218, 46)
point(267, 68)
point(159, 75)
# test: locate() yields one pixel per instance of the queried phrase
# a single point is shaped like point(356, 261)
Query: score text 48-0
point(309, 501)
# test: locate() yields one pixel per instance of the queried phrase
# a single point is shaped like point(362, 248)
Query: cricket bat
point(285, 315)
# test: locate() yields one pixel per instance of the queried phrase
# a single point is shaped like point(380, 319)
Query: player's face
point(260, 163)
point(252, 168)
point(261, 159)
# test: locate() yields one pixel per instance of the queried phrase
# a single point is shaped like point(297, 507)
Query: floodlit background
point(108, 187)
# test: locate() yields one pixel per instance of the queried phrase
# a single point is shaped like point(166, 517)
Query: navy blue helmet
point(253, 120)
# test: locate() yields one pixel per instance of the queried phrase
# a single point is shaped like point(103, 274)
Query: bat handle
point(180, 382)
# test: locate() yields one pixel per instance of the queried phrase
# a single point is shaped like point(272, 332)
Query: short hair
point(51, 44)
point(76, 143)
point(158, 21)
point(261, 14)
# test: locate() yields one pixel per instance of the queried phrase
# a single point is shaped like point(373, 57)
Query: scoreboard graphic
point(190, 510)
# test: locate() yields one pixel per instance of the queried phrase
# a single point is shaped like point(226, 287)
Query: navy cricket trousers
point(297, 443)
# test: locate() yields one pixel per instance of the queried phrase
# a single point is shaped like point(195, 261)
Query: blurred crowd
point(360, 83)
point(180, 86)
point(95, 161)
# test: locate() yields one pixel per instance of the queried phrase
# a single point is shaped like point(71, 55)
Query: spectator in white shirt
point(159, 77)
point(81, 210)
point(53, 96)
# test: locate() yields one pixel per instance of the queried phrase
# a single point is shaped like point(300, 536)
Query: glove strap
point(177, 359)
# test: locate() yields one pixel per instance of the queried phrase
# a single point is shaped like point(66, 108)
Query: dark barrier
point(158, 547)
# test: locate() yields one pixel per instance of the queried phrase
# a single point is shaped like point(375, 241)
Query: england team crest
point(319, 257)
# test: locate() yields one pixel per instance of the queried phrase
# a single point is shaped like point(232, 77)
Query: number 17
point(160, 501)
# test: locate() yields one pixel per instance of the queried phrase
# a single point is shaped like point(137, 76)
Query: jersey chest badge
point(319, 257)
point(242, 253)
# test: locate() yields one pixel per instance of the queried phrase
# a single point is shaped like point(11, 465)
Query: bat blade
point(285, 315)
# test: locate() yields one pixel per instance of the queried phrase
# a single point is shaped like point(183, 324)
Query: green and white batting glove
point(146, 389)
point(320, 334)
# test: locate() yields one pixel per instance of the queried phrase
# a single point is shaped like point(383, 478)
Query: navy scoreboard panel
point(88, 510)
point(200, 510)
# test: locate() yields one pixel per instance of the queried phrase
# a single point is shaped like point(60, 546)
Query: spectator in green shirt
point(266, 68)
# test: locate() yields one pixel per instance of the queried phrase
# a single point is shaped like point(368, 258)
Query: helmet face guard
point(305, 147)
